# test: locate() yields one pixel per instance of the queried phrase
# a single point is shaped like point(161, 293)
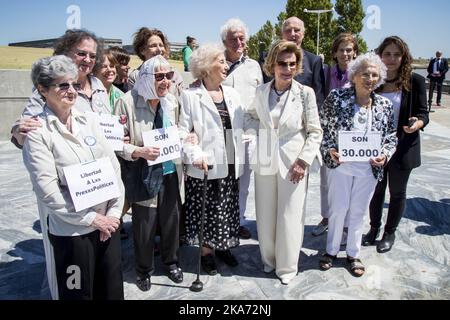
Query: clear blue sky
point(423, 24)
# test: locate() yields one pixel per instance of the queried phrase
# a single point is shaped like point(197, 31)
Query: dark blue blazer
point(313, 76)
point(443, 68)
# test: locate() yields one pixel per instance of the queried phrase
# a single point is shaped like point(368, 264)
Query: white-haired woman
point(214, 113)
point(152, 191)
point(86, 246)
point(351, 184)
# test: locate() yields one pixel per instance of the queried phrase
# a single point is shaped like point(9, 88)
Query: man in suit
point(293, 29)
point(437, 69)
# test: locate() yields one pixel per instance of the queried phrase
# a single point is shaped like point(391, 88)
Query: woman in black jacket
point(407, 92)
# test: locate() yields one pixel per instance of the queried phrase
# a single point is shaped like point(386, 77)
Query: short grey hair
point(46, 71)
point(288, 20)
point(364, 60)
point(233, 25)
point(203, 58)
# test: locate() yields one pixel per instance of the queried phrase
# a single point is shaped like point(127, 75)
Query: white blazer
point(199, 114)
point(298, 136)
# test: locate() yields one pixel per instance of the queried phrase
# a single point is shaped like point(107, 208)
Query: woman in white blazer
point(214, 113)
point(288, 140)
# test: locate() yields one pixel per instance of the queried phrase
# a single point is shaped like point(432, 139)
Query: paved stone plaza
point(418, 266)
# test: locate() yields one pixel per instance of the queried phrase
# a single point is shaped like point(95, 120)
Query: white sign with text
point(168, 142)
point(91, 183)
point(359, 146)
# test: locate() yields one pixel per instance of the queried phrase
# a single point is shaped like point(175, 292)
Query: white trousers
point(348, 196)
point(280, 218)
point(49, 254)
point(244, 185)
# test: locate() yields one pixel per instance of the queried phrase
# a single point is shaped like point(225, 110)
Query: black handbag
point(142, 182)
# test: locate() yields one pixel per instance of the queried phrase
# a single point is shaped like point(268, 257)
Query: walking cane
point(197, 285)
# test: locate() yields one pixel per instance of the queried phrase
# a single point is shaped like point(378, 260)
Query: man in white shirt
point(244, 75)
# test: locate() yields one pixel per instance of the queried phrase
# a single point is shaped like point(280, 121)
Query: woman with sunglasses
point(86, 253)
point(285, 115)
point(352, 183)
point(85, 50)
point(152, 191)
point(214, 113)
point(407, 92)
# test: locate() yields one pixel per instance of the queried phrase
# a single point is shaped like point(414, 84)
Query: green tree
point(351, 16)
point(261, 40)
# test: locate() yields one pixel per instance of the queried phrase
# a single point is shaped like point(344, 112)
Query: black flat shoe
point(370, 237)
point(144, 284)
point(386, 242)
point(209, 264)
point(227, 257)
point(244, 233)
point(175, 274)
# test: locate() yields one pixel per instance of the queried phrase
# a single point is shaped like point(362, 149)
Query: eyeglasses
point(83, 54)
point(371, 76)
point(160, 76)
point(65, 86)
point(287, 64)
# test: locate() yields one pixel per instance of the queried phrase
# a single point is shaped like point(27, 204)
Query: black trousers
point(88, 269)
point(397, 180)
point(433, 84)
point(145, 220)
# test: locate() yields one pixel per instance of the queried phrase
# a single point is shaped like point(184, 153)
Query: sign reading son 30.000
point(168, 142)
point(359, 146)
point(91, 183)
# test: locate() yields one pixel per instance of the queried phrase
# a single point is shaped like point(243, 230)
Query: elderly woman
point(106, 72)
point(289, 136)
point(352, 183)
point(87, 254)
point(152, 191)
point(407, 92)
point(344, 51)
point(214, 113)
point(147, 44)
point(84, 49)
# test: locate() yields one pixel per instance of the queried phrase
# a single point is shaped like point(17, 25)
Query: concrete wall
point(15, 87)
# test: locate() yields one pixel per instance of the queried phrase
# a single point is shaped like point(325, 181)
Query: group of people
point(231, 121)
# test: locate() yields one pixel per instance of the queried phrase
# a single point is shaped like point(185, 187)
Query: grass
point(23, 58)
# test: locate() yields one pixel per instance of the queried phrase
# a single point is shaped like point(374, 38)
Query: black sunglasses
point(83, 54)
point(65, 86)
point(160, 76)
point(287, 64)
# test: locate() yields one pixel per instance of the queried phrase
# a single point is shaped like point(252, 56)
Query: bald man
point(293, 29)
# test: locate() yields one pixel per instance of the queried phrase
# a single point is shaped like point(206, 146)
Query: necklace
point(281, 93)
point(392, 80)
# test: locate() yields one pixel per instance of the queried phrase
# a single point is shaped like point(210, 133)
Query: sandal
point(326, 261)
point(357, 269)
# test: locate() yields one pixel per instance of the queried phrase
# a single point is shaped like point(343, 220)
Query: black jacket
point(407, 155)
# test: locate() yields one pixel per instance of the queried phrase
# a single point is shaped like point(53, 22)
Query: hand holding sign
point(148, 153)
point(359, 146)
point(166, 141)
